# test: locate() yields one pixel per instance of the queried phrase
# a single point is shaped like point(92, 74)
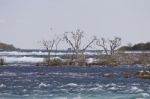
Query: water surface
point(25, 81)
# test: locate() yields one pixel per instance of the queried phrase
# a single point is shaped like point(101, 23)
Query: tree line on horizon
point(5, 46)
point(136, 47)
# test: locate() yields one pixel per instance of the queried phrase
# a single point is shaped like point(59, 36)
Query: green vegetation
point(6, 46)
point(139, 46)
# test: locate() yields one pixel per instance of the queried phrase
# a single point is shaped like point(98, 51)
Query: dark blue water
point(65, 82)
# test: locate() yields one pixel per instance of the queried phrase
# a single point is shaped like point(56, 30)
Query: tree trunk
point(76, 58)
point(106, 52)
point(48, 57)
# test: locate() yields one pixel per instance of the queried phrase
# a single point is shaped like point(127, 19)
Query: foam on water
point(18, 53)
point(35, 82)
point(111, 84)
point(113, 88)
point(31, 56)
point(8, 74)
point(90, 60)
point(60, 98)
point(136, 89)
point(43, 85)
point(145, 94)
point(2, 85)
point(23, 59)
point(72, 84)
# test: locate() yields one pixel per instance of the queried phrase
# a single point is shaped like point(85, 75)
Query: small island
point(4, 46)
point(110, 54)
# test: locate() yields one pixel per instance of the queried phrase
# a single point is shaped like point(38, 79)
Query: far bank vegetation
point(4, 46)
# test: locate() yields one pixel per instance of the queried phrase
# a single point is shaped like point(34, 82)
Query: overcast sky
point(25, 22)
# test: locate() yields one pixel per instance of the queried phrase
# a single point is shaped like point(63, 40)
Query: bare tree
point(57, 41)
point(89, 44)
point(110, 44)
point(48, 45)
point(116, 42)
point(74, 39)
point(102, 43)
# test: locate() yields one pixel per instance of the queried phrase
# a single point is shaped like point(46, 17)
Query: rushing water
point(63, 82)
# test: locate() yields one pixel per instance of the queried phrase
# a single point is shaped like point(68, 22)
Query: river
point(26, 81)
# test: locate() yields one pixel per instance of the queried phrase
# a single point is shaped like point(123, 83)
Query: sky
point(24, 23)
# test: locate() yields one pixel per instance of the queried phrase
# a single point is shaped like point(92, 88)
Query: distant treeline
point(5, 46)
point(139, 46)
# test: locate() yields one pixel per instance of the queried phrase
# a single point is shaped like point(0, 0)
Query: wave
point(72, 84)
point(8, 74)
point(2, 85)
point(43, 85)
point(33, 56)
point(23, 59)
point(145, 94)
point(37, 53)
point(21, 53)
point(136, 89)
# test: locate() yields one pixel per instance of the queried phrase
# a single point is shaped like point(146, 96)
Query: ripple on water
point(135, 89)
point(2, 85)
point(145, 95)
point(8, 74)
point(43, 85)
point(72, 84)
point(57, 83)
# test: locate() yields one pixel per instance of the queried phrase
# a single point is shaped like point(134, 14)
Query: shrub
point(53, 62)
point(56, 62)
point(107, 60)
point(72, 60)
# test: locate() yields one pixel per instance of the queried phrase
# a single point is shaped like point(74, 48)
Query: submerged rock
point(126, 74)
point(143, 74)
